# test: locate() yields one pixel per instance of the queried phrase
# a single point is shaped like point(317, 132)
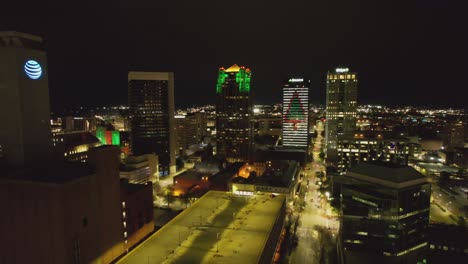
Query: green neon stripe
point(221, 78)
point(101, 135)
point(116, 137)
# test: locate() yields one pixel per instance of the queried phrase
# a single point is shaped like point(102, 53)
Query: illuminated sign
point(296, 80)
point(295, 116)
point(33, 69)
point(342, 69)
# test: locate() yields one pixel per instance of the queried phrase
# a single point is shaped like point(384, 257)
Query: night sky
point(405, 52)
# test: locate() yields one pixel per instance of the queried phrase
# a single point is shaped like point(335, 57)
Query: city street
point(316, 215)
point(445, 205)
point(160, 199)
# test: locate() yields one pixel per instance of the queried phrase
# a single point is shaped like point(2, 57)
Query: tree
point(322, 155)
point(315, 134)
point(156, 188)
point(295, 113)
point(168, 198)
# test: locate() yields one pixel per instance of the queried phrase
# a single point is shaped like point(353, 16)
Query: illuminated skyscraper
point(341, 108)
point(296, 113)
point(233, 113)
point(151, 101)
point(385, 213)
point(25, 137)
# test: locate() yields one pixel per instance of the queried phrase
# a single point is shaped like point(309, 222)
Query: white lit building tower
point(296, 113)
point(341, 109)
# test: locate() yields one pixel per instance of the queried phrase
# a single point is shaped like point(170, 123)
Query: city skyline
point(167, 132)
point(419, 47)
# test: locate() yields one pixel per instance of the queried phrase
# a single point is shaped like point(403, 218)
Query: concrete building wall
point(31, 224)
point(106, 161)
point(24, 102)
point(74, 221)
point(138, 207)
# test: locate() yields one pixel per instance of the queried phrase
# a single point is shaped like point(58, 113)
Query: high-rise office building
point(70, 212)
point(385, 213)
point(454, 135)
point(296, 113)
point(151, 101)
point(24, 99)
point(190, 128)
point(201, 124)
point(234, 111)
point(186, 130)
point(341, 109)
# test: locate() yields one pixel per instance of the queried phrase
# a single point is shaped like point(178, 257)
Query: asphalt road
point(313, 216)
point(451, 203)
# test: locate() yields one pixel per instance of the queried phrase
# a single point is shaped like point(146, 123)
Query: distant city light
point(342, 69)
point(256, 111)
point(296, 80)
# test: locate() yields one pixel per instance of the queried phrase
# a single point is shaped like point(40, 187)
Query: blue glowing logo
point(33, 69)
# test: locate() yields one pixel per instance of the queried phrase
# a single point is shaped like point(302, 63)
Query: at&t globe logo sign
point(33, 69)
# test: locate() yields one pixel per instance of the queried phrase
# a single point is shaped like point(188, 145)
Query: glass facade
point(233, 113)
point(341, 109)
point(149, 120)
point(384, 220)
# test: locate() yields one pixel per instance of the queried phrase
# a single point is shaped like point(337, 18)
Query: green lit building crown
point(242, 75)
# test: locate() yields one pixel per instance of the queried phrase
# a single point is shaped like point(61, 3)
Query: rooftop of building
point(20, 35)
point(73, 139)
point(149, 76)
point(279, 174)
point(130, 188)
point(238, 227)
point(386, 173)
point(17, 39)
point(280, 153)
point(225, 175)
point(56, 172)
point(235, 68)
point(190, 175)
point(377, 135)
